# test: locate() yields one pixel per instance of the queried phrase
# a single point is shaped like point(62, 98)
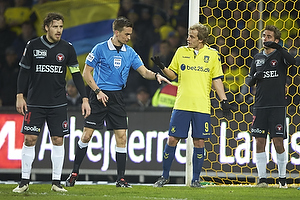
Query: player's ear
point(46, 28)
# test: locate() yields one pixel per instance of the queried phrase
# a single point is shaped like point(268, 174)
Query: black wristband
point(156, 75)
point(97, 91)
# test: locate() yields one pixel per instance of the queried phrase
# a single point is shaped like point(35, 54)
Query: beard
point(54, 39)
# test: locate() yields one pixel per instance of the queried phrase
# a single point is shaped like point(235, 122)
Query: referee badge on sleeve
point(90, 57)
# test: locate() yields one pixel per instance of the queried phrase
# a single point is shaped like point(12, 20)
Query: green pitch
point(140, 192)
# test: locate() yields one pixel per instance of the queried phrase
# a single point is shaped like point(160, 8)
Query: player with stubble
point(43, 69)
point(269, 73)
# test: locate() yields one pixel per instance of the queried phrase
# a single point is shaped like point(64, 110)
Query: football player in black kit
point(43, 68)
point(269, 73)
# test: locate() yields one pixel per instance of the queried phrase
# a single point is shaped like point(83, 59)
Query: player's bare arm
point(169, 73)
point(218, 85)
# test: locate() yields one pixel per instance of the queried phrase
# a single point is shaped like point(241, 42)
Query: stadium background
point(235, 29)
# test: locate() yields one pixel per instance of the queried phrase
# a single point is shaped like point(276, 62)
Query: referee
point(110, 62)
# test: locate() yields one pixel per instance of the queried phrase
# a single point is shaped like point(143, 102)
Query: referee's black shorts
point(272, 120)
point(114, 114)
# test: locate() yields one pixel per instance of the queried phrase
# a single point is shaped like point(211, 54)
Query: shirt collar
point(267, 55)
point(204, 47)
point(112, 47)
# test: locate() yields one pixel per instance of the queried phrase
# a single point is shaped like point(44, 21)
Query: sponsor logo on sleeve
point(259, 62)
point(40, 53)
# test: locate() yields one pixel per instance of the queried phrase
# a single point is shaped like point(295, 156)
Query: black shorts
point(56, 118)
point(272, 120)
point(114, 114)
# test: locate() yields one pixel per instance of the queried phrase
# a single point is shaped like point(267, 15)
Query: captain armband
point(74, 69)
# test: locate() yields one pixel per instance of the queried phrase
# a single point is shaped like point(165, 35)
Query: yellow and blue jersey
point(195, 75)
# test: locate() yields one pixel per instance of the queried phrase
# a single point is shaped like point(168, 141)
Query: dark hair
point(275, 30)
point(50, 17)
point(120, 23)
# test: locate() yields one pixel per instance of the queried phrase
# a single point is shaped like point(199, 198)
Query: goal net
point(235, 28)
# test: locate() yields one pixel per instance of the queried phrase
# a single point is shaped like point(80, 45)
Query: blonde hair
point(203, 32)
